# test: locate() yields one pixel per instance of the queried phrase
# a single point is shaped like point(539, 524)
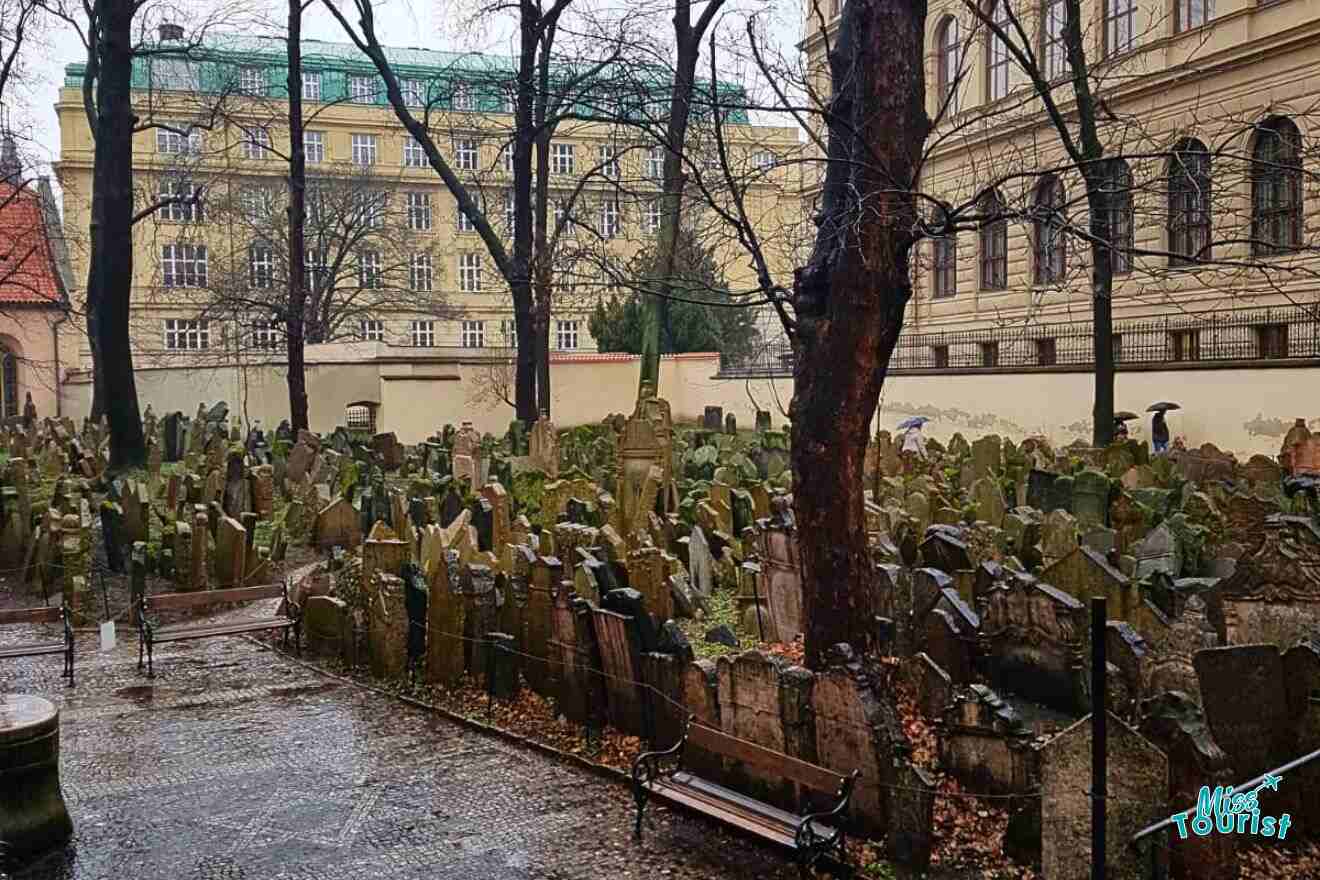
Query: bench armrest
point(647, 766)
point(140, 612)
point(807, 837)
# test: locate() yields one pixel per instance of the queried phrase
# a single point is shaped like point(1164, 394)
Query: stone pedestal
point(32, 813)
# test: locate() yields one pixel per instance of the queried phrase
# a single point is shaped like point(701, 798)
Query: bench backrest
point(203, 598)
point(32, 615)
point(765, 760)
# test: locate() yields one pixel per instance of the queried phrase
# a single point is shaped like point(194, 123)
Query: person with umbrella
point(914, 444)
point(1159, 429)
point(1121, 418)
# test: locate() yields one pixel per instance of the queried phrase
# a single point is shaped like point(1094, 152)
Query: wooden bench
point(811, 836)
point(287, 617)
point(39, 649)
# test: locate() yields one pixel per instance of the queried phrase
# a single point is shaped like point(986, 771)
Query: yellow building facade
point(409, 269)
point(1209, 111)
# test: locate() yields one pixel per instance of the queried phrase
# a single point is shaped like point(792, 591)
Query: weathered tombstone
point(989, 501)
point(620, 656)
point(388, 627)
point(1091, 498)
point(1058, 536)
point(762, 421)
point(543, 447)
point(713, 418)
point(230, 552)
point(1246, 705)
point(1137, 775)
point(730, 424)
point(328, 627)
point(1034, 639)
point(1160, 551)
point(337, 524)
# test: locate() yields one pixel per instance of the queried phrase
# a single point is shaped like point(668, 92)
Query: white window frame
point(507, 153)
point(371, 274)
point(311, 85)
point(472, 334)
point(562, 158)
point(421, 277)
point(265, 334)
point(607, 157)
point(364, 149)
point(464, 223)
point(414, 155)
point(180, 212)
point(187, 334)
point(764, 160)
point(611, 218)
point(655, 163)
point(419, 211)
point(371, 330)
point(362, 89)
point(465, 99)
point(314, 146)
point(256, 143)
point(174, 144)
point(414, 92)
point(183, 265)
point(509, 211)
point(566, 335)
point(423, 334)
point(469, 272)
point(261, 266)
point(509, 333)
point(252, 80)
point(653, 216)
point(254, 204)
point(466, 154)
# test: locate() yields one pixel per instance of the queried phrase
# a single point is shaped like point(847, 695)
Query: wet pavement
point(235, 763)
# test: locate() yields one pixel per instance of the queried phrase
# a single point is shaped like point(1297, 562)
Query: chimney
point(171, 32)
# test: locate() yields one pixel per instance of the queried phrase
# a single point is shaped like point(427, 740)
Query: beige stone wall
point(42, 346)
point(1244, 411)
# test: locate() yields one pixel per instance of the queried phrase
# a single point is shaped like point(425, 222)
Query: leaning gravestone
point(701, 564)
point(1246, 705)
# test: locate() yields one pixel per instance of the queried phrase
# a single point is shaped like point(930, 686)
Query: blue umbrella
point(914, 422)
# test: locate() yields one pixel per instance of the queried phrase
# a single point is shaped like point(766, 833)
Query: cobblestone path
point(235, 763)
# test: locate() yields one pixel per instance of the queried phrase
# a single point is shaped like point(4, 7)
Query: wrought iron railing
point(1269, 334)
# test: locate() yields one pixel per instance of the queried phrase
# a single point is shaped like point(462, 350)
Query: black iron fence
point(1272, 334)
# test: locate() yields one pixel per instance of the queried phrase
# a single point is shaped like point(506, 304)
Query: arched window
point(1050, 246)
point(1276, 188)
point(9, 382)
point(949, 60)
point(1189, 203)
point(996, 56)
point(1117, 193)
point(994, 243)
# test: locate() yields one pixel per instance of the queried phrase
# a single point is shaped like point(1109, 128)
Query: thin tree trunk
point(849, 301)
point(111, 277)
point(98, 390)
point(295, 338)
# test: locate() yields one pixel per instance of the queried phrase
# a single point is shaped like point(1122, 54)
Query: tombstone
point(467, 455)
point(446, 617)
point(1035, 640)
point(1246, 706)
point(1137, 776)
point(230, 552)
point(387, 450)
point(1091, 498)
point(989, 500)
point(620, 657)
point(762, 421)
point(701, 564)
point(263, 491)
point(1274, 593)
point(328, 628)
point(388, 627)
point(543, 447)
point(780, 583)
point(1160, 551)
point(1169, 663)
point(730, 424)
point(337, 524)
point(985, 743)
point(987, 456)
point(713, 419)
point(1058, 536)
point(112, 533)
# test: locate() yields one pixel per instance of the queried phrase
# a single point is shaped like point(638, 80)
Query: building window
point(466, 151)
point(419, 273)
point(252, 81)
point(364, 149)
point(997, 57)
point(419, 211)
point(371, 331)
point(1116, 192)
point(1272, 341)
point(465, 99)
point(1054, 14)
point(1188, 14)
point(413, 154)
point(566, 335)
point(314, 146)
point(1276, 188)
point(1050, 245)
point(510, 213)
point(473, 334)
point(256, 143)
point(945, 266)
point(177, 142)
point(609, 218)
point(311, 82)
point(1116, 347)
point(607, 157)
point(561, 158)
point(266, 335)
point(509, 100)
point(362, 89)
point(994, 243)
point(764, 160)
point(1047, 352)
point(652, 216)
point(187, 335)
point(9, 383)
point(989, 354)
point(261, 267)
point(414, 92)
point(655, 163)
point(465, 223)
point(939, 356)
point(255, 203)
point(368, 208)
point(181, 201)
point(507, 154)
point(423, 334)
point(1185, 345)
point(183, 265)
point(1120, 26)
point(1189, 203)
point(509, 334)
point(948, 55)
point(369, 270)
point(469, 273)
point(358, 417)
point(175, 74)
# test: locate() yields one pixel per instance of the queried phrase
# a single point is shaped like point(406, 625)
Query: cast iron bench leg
point(640, 796)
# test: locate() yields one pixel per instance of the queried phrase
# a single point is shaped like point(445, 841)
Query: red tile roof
point(27, 262)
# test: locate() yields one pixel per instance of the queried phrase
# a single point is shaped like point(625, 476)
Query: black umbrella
point(1162, 406)
point(1125, 415)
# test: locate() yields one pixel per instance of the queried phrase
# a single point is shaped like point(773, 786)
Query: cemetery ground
point(493, 628)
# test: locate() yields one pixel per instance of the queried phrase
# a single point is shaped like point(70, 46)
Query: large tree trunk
point(111, 277)
point(93, 344)
point(849, 301)
point(295, 338)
